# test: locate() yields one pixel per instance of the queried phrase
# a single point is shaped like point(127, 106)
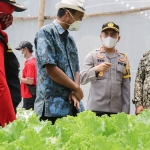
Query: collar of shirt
point(60, 29)
point(30, 58)
point(115, 54)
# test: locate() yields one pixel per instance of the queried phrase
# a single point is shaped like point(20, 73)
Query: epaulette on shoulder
point(94, 51)
point(123, 54)
point(146, 53)
point(9, 48)
point(97, 49)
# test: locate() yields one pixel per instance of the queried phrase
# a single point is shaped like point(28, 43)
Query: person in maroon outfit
point(7, 7)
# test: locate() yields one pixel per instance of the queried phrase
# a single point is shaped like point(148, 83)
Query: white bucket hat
point(73, 4)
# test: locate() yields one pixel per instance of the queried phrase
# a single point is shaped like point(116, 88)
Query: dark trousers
point(52, 119)
point(15, 105)
point(100, 113)
point(28, 103)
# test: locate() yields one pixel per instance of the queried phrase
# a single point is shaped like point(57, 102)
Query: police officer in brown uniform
point(108, 71)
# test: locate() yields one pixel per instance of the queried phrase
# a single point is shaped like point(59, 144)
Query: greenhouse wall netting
point(134, 29)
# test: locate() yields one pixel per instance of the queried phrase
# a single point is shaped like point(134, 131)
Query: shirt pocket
point(119, 73)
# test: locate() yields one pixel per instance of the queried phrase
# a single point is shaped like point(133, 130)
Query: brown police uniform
point(109, 91)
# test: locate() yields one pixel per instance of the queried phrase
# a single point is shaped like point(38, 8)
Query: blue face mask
point(21, 55)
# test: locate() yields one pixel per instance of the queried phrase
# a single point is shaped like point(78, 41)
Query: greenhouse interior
point(134, 29)
point(87, 131)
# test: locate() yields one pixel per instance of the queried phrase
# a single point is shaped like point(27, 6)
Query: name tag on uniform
point(121, 63)
point(100, 60)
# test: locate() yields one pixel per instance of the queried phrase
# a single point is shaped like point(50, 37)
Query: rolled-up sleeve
point(45, 50)
point(88, 72)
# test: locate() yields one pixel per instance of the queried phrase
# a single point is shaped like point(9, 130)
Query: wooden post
point(41, 13)
point(41, 18)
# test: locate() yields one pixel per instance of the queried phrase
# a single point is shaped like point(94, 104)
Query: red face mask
point(5, 20)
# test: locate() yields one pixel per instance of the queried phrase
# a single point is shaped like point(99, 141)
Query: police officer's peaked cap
point(110, 25)
point(17, 7)
point(24, 44)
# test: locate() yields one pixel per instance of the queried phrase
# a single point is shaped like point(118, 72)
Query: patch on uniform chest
point(121, 59)
point(121, 63)
point(100, 58)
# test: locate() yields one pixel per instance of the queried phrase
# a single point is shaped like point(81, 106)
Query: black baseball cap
point(17, 7)
point(24, 44)
point(110, 25)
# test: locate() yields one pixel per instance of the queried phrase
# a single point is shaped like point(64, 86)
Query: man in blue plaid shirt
point(58, 83)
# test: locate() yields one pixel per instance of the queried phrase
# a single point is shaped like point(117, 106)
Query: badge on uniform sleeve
point(101, 74)
point(9, 48)
point(127, 74)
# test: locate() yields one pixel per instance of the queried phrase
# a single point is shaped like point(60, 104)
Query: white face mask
point(75, 26)
point(109, 42)
point(21, 55)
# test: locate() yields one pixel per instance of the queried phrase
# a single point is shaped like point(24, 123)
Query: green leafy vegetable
point(84, 132)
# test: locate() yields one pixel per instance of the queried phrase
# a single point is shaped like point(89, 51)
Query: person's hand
point(20, 78)
point(139, 109)
point(103, 67)
point(78, 93)
point(71, 98)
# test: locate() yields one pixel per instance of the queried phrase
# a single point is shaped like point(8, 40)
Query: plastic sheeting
point(134, 30)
